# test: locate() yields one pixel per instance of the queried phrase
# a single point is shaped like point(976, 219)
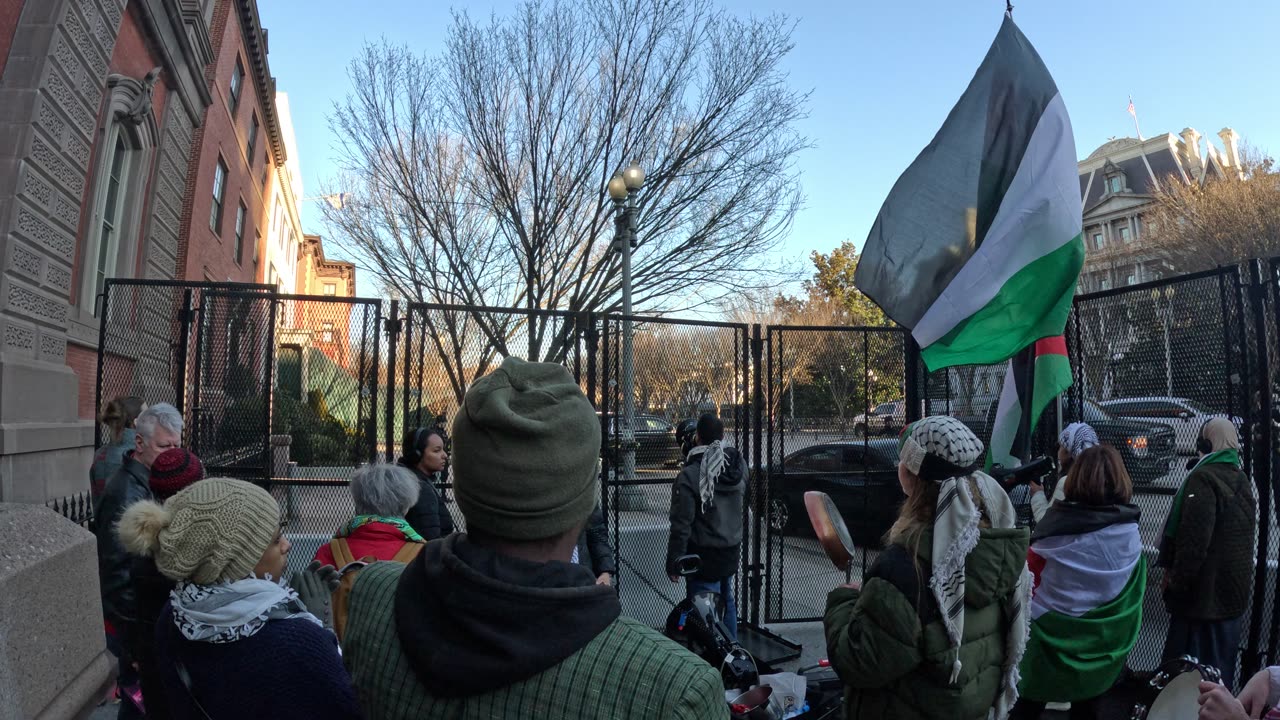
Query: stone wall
point(53, 657)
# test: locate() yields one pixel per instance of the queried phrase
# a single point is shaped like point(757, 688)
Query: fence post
point(761, 473)
point(392, 325)
point(912, 362)
point(1262, 451)
point(184, 347)
point(102, 353)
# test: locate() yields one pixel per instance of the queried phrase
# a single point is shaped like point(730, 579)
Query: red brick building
point(234, 154)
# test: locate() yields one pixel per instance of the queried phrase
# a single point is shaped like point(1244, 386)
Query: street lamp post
point(624, 187)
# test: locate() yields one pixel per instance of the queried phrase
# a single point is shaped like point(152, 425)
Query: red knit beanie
point(173, 470)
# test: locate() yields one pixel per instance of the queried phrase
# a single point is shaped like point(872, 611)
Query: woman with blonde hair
point(939, 626)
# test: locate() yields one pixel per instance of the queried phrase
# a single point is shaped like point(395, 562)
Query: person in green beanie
point(497, 622)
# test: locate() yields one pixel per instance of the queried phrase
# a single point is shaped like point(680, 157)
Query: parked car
point(656, 439)
point(1148, 448)
point(862, 479)
point(880, 420)
point(1183, 415)
point(889, 418)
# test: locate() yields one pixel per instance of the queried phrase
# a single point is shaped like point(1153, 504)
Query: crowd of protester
point(963, 615)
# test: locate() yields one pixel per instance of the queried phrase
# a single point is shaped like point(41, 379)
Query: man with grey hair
point(159, 428)
point(382, 494)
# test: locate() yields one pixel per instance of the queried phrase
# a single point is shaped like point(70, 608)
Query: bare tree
point(1221, 222)
point(479, 175)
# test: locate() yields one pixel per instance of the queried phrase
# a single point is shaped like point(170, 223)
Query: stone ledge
point(51, 638)
point(19, 438)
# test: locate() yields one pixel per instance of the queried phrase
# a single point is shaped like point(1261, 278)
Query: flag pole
point(1134, 112)
point(1027, 403)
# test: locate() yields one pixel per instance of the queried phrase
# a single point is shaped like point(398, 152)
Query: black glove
point(315, 587)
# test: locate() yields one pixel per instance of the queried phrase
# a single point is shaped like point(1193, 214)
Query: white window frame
point(94, 250)
point(127, 118)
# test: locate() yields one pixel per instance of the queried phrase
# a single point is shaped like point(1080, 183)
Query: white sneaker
point(1057, 707)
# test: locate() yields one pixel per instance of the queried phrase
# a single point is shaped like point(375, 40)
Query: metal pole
point(626, 241)
point(1168, 359)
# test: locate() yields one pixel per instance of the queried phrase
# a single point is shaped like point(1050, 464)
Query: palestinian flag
point(1046, 361)
point(1086, 605)
point(978, 246)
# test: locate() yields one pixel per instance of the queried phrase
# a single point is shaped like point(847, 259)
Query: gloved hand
point(315, 587)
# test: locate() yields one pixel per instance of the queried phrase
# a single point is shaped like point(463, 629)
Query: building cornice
point(255, 43)
point(164, 24)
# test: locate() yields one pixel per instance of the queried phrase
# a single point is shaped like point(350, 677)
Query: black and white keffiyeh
point(231, 611)
point(709, 471)
point(946, 443)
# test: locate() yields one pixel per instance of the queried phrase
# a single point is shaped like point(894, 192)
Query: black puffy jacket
point(126, 487)
point(429, 517)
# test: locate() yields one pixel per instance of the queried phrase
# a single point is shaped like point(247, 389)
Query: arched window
point(126, 147)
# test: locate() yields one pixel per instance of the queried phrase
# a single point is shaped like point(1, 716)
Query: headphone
point(1203, 445)
point(415, 443)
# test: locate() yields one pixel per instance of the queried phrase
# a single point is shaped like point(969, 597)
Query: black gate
point(1152, 363)
point(833, 407)
point(230, 415)
point(149, 336)
point(298, 391)
point(678, 370)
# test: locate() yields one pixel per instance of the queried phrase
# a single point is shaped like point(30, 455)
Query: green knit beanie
point(215, 530)
point(526, 450)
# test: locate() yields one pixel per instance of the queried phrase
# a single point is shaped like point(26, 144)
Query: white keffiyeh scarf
point(955, 535)
point(709, 471)
point(227, 612)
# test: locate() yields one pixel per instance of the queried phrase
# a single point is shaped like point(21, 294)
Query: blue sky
point(883, 76)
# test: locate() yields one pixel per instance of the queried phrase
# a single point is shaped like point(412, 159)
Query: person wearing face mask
point(1207, 553)
point(234, 641)
point(425, 455)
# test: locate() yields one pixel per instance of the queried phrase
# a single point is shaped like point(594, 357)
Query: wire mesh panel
point(326, 385)
point(443, 349)
point(148, 342)
point(324, 408)
point(1152, 363)
point(229, 420)
point(835, 404)
point(675, 371)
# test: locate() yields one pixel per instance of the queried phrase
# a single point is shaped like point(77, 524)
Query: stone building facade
point(1118, 182)
point(138, 139)
point(99, 100)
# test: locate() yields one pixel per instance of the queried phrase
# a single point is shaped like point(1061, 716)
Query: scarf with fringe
point(231, 611)
point(709, 471)
point(955, 535)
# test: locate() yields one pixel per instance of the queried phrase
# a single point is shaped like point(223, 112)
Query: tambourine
point(1175, 690)
point(829, 526)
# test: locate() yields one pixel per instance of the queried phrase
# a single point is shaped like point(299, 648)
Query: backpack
point(349, 568)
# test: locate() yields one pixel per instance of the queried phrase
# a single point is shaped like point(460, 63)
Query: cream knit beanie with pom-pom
point(215, 530)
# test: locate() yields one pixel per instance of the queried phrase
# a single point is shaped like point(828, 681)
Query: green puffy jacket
point(889, 646)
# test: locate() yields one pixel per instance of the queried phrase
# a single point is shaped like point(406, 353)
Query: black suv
point(1148, 448)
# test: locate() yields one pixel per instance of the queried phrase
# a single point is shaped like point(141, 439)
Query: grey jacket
point(716, 532)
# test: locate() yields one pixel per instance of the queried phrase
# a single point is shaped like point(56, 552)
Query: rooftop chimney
point(1191, 151)
point(1231, 144)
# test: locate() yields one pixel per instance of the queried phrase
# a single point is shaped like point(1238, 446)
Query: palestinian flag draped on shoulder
point(978, 247)
point(1086, 606)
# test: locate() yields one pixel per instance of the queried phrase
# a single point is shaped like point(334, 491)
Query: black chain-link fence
point(834, 407)
point(679, 371)
point(299, 391)
point(1153, 363)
